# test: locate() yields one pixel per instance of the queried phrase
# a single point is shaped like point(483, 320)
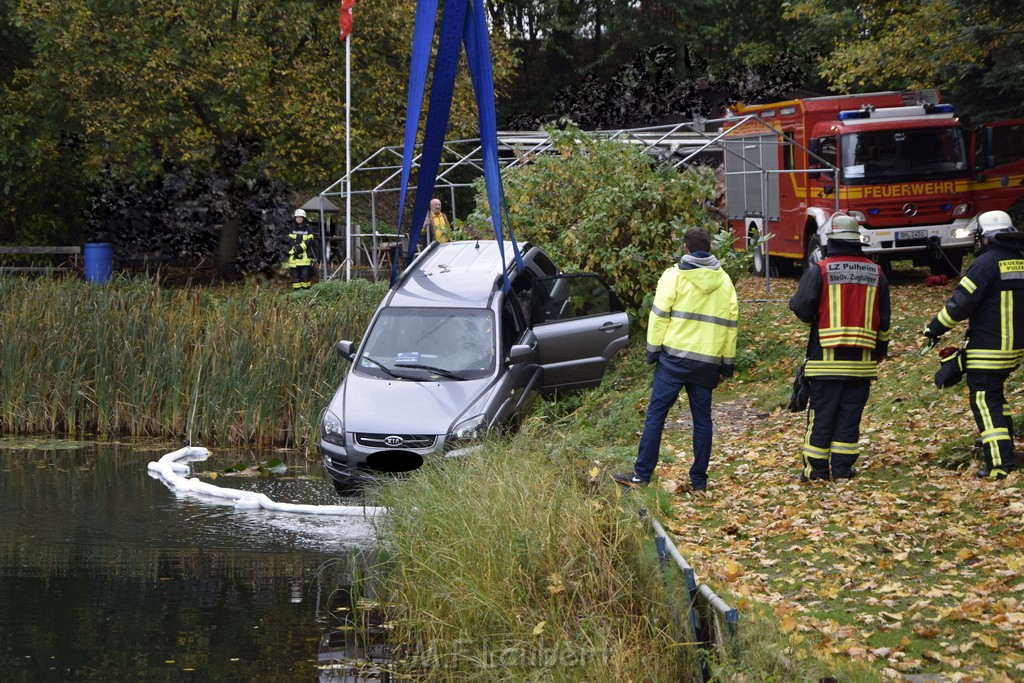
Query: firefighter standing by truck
point(845, 298)
point(302, 252)
point(991, 297)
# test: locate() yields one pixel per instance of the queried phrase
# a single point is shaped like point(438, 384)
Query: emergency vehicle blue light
point(946, 207)
point(852, 114)
point(873, 212)
point(942, 109)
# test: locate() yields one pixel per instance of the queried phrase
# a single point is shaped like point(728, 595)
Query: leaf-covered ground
point(914, 567)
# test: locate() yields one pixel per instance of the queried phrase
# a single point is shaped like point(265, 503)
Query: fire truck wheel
point(757, 261)
point(814, 253)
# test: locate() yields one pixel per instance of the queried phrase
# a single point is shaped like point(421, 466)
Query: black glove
point(652, 357)
point(927, 332)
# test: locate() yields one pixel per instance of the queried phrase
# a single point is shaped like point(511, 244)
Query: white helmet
point(994, 222)
point(299, 213)
point(844, 227)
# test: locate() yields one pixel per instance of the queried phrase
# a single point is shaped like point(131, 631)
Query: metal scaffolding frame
point(677, 145)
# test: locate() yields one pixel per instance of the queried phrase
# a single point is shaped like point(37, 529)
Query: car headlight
point(961, 210)
point(469, 430)
point(332, 429)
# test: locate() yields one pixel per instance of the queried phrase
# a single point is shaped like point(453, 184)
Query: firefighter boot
point(842, 466)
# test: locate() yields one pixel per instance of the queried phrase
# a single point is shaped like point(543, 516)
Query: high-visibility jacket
point(303, 249)
point(693, 320)
point(845, 298)
point(991, 295)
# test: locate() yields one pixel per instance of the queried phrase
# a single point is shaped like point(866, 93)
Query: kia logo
point(909, 209)
point(393, 441)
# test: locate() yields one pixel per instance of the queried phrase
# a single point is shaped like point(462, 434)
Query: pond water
point(107, 573)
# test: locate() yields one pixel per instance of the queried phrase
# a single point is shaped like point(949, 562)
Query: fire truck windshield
point(890, 156)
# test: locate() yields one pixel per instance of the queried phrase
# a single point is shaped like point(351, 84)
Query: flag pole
point(348, 157)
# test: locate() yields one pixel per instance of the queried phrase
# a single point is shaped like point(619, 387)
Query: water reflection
point(106, 573)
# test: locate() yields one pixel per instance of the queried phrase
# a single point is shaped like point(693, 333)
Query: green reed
point(230, 365)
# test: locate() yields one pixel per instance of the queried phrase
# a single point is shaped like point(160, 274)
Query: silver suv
point(455, 350)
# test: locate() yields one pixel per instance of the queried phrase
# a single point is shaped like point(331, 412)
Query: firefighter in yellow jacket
point(303, 251)
point(691, 337)
point(845, 298)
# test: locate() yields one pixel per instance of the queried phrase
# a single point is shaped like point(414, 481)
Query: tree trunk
point(227, 247)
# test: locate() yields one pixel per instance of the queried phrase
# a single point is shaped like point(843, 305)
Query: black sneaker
point(630, 480)
point(845, 475)
point(815, 476)
point(987, 474)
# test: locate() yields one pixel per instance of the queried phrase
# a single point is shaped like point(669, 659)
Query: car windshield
point(430, 344)
point(889, 156)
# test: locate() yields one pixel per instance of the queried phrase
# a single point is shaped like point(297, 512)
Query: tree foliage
point(604, 206)
point(246, 92)
point(972, 50)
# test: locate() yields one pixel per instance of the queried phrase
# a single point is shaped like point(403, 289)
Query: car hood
point(379, 406)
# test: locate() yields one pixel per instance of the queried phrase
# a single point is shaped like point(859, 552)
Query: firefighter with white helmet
point(990, 296)
point(845, 299)
point(302, 252)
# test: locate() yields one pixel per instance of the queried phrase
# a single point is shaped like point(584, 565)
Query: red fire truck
point(900, 163)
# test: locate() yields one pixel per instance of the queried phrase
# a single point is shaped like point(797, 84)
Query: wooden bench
point(70, 254)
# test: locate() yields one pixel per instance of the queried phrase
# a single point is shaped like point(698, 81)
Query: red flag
point(345, 19)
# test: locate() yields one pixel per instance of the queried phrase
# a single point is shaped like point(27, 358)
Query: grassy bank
point(913, 568)
point(245, 364)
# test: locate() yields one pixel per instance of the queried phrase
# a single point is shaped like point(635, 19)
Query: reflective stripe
point(658, 312)
point(843, 368)
point(858, 337)
point(968, 285)
point(699, 317)
point(702, 357)
point(945, 319)
point(884, 335)
point(994, 359)
point(844, 448)
point(1006, 318)
point(995, 434)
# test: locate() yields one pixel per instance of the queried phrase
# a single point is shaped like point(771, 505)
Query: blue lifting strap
point(462, 21)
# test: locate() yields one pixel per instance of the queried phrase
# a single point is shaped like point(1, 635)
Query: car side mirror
point(520, 353)
point(346, 350)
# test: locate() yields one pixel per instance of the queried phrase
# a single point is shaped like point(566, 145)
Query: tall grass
point(233, 365)
point(502, 568)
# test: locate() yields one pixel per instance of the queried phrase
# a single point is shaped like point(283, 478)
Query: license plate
point(911, 235)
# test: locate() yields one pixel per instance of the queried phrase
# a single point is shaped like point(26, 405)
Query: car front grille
point(407, 440)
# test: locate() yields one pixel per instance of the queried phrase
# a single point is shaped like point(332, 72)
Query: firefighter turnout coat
point(693, 321)
point(303, 248)
point(845, 298)
point(991, 294)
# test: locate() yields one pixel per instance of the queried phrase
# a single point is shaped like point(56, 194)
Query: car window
point(571, 296)
point(430, 343)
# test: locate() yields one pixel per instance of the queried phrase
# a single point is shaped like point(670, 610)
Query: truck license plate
point(911, 235)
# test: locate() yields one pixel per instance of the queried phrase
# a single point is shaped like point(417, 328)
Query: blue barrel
point(99, 261)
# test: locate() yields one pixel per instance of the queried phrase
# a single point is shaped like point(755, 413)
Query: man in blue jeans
point(691, 339)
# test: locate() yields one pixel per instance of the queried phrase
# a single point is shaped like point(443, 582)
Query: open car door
point(579, 325)
point(998, 180)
